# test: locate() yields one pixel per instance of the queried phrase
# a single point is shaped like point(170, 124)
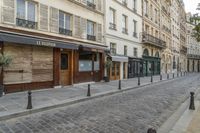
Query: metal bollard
point(151, 78)
point(88, 92)
point(177, 74)
point(151, 130)
point(168, 76)
point(160, 76)
point(138, 80)
point(120, 87)
point(192, 106)
point(29, 106)
point(181, 74)
point(173, 75)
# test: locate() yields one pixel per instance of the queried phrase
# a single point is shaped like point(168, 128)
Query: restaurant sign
point(48, 44)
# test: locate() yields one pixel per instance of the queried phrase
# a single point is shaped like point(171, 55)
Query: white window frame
point(65, 14)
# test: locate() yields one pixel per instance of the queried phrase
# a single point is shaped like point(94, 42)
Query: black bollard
point(29, 106)
point(160, 76)
point(181, 74)
point(151, 130)
point(151, 78)
point(120, 87)
point(88, 92)
point(138, 80)
point(168, 76)
point(173, 75)
point(192, 106)
point(177, 74)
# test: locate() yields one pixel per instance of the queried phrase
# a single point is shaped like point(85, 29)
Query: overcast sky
point(191, 5)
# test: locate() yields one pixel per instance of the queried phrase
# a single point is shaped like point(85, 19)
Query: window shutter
point(44, 22)
point(99, 5)
point(83, 28)
point(99, 33)
point(54, 20)
point(8, 11)
point(77, 26)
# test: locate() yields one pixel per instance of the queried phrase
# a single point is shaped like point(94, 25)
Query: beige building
point(53, 43)
point(165, 22)
point(153, 44)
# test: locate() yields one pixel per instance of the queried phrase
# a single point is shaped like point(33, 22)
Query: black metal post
point(88, 92)
point(181, 74)
point(173, 75)
point(168, 76)
point(160, 76)
point(151, 78)
point(177, 74)
point(192, 106)
point(138, 80)
point(151, 130)
point(120, 87)
point(29, 106)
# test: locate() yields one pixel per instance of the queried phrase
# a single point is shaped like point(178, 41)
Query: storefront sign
point(48, 44)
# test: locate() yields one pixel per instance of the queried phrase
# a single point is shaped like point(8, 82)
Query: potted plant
point(5, 60)
point(107, 66)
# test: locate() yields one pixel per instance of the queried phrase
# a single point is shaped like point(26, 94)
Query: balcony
point(113, 51)
point(183, 49)
point(135, 34)
point(193, 56)
point(91, 5)
point(124, 3)
point(91, 37)
point(26, 23)
point(65, 32)
point(125, 30)
point(149, 39)
point(112, 26)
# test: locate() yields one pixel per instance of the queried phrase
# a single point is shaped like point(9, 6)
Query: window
point(113, 48)
point(156, 14)
point(112, 19)
point(65, 23)
point(124, 24)
point(64, 61)
point(90, 31)
point(135, 52)
point(135, 28)
point(146, 8)
point(134, 5)
point(26, 14)
point(125, 50)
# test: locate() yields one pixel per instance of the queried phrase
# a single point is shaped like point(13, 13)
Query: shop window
point(26, 14)
point(96, 62)
point(85, 61)
point(64, 61)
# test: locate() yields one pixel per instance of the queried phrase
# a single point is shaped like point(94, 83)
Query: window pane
point(31, 11)
point(111, 16)
point(21, 9)
point(61, 20)
point(90, 28)
point(64, 61)
point(96, 62)
point(123, 21)
point(85, 61)
point(67, 21)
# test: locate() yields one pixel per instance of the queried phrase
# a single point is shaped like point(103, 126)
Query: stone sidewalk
point(14, 105)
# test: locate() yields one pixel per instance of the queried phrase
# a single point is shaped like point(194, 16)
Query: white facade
point(115, 35)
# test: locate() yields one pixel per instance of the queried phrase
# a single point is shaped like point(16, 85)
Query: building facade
point(153, 44)
point(51, 43)
point(123, 23)
point(193, 47)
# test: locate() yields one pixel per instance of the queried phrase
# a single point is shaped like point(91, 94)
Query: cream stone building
point(165, 22)
point(193, 47)
point(123, 25)
point(151, 37)
point(53, 43)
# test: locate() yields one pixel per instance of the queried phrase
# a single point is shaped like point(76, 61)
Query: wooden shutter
point(8, 11)
point(54, 20)
point(83, 28)
point(77, 26)
point(99, 5)
point(99, 33)
point(44, 21)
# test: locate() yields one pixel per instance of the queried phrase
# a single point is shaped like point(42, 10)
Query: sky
point(191, 5)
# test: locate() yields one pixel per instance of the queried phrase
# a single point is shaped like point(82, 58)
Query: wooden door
point(115, 71)
point(65, 70)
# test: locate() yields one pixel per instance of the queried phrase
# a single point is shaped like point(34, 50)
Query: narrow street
point(132, 111)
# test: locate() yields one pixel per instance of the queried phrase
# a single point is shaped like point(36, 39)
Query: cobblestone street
point(132, 111)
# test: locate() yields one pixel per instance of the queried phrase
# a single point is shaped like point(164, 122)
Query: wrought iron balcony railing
point(125, 30)
point(26, 23)
point(91, 5)
point(91, 37)
point(149, 39)
point(193, 56)
point(65, 32)
point(112, 26)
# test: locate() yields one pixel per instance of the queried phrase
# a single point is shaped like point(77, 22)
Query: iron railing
point(91, 5)
point(91, 37)
point(112, 26)
point(65, 31)
point(26, 23)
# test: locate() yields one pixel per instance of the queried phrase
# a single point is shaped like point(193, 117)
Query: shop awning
point(28, 40)
point(119, 58)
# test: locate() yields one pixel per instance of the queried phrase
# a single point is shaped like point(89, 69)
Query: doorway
point(115, 71)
